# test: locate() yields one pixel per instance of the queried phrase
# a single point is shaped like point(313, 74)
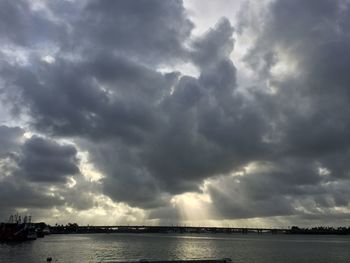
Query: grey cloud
point(84, 99)
point(19, 194)
point(33, 173)
point(215, 45)
point(22, 25)
point(281, 191)
point(206, 117)
point(126, 178)
point(155, 134)
point(9, 139)
point(308, 115)
point(154, 31)
point(11, 14)
point(175, 139)
point(310, 107)
point(185, 148)
point(81, 196)
point(135, 189)
point(320, 124)
point(104, 95)
point(167, 215)
point(46, 161)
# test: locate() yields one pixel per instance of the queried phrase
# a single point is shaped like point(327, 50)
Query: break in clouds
point(119, 109)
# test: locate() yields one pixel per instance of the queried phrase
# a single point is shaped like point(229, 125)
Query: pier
point(225, 260)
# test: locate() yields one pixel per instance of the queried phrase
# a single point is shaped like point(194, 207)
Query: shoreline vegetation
point(73, 228)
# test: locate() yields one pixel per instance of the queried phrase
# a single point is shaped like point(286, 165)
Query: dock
point(224, 260)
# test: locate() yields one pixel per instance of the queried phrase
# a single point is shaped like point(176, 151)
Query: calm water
point(240, 248)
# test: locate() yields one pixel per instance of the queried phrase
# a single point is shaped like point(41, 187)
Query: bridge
point(73, 228)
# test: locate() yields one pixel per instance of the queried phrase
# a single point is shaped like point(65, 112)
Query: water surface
point(249, 248)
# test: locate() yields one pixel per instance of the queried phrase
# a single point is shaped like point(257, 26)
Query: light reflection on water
point(249, 248)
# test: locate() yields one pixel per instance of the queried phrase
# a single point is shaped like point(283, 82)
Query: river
point(251, 248)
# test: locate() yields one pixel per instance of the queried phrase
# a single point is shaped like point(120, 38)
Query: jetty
point(225, 260)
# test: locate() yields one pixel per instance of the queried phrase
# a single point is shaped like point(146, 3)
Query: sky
point(194, 112)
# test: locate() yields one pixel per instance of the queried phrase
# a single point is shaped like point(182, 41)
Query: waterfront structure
point(17, 229)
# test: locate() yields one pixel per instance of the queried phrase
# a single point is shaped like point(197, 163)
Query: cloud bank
point(106, 116)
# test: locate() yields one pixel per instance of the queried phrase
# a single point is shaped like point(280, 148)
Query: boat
point(41, 229)
point(17, 230)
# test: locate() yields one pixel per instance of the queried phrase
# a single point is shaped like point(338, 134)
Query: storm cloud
point(47, 161)
point(108, 80)
point(35, 174)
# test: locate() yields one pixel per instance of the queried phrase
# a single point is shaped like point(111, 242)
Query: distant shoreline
point(76, 229)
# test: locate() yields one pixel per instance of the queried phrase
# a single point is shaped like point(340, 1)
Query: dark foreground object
point(16, 232)
point(225, 260)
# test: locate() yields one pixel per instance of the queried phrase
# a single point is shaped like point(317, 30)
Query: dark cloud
point(308, 112)
point(82, 98)
point(216, 45)
point(15, 191)
point(23, 25)
point(21, 194)
point(153, 31)
point(287, 188)
point(34, 174)
point(154, 134)
point(106, 94)
point(126, 179)
point(166, 133)
point(47, 161)
point(9, 139)
point(313, 103)
point(204, 134)
point(18, 193)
